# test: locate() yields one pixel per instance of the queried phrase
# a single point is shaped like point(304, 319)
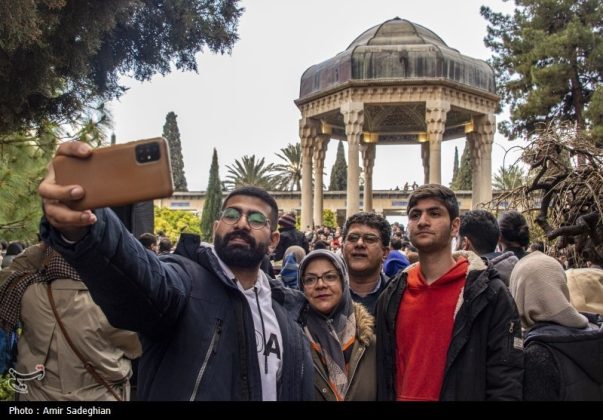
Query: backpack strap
point(89, 367)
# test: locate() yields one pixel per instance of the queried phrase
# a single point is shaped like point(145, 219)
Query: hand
point(72, 224)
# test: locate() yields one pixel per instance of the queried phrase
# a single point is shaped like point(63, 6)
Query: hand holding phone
point(118, 175)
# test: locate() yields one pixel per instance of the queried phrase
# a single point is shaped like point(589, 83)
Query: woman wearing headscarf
point(340, 331)
point(562, 346)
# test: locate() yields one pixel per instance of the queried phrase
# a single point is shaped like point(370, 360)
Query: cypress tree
point(339, 172)
point(464, 180)
point(455, 165)
point(172, 135)
point(213, 199)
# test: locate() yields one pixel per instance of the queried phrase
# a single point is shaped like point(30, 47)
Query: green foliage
point(6, 391)
point(175, 222)
point(455, 164)
point(213, 199)
point(548, 59)
point(172, 135)
point(329, 218)
point(289, 174)
point(58, 56)
point(251, 172)
point(509, 178)
point(463, 180)
point(339, 172)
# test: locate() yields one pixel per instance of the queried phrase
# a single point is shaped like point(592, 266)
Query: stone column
point(353, 117)
point(320, 149)
point(485, 127)
point(476, 170)
point(425, 160)
point(435, 117)
point(307, 132)
point(368, 160)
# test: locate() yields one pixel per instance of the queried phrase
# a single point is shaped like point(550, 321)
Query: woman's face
point(322, 285)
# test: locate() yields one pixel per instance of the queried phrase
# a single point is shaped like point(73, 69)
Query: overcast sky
point(242, 104)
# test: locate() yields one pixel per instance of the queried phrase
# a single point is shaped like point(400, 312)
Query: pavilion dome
point(397, 50)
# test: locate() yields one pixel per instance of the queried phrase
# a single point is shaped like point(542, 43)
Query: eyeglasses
point(367, 238)
point(256, 220)
point(329, 277)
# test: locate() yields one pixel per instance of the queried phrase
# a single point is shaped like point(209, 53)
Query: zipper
point(213, 344)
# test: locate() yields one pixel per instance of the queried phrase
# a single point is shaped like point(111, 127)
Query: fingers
point(74, 148)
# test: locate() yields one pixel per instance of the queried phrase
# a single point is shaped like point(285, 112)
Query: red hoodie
point(424, 330)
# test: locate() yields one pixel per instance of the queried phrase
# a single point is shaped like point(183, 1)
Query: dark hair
point(370, 219)
point(320, 244)
point(514, 228)
point(165, 245)
point(14, 248)
point(438, 192)
point(396, 243)
point(481, 227)
point(147, 239)
point(262, 195)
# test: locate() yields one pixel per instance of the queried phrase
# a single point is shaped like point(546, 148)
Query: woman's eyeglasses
point(256, 220)
point(329, 277)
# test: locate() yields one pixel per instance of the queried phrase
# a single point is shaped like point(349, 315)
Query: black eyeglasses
point(367, 238)
point(329, 277)
point(255, 219)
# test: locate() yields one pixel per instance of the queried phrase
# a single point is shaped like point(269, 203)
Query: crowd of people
point(450, 307)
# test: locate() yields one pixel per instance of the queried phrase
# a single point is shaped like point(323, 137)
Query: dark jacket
point(563, 364)
point(289, 237)
point(485, 357)
point(195, 325)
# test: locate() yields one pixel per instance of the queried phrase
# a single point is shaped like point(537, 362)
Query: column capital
point(353, 117)
point(369, 150)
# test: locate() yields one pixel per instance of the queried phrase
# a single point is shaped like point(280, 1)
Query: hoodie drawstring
point(257, 300)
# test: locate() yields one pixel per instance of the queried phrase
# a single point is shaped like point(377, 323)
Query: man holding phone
point(213, 326)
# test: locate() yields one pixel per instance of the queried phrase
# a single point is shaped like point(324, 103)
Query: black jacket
point(195, 325)
point(563, 364)
point(485, 356)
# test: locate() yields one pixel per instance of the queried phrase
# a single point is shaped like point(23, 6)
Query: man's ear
point(274, 238)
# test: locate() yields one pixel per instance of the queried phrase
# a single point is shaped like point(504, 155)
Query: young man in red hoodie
point(447, 326)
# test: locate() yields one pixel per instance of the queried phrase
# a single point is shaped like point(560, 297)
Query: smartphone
point(118, 175)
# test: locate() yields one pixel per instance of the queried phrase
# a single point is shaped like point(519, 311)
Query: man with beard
point(447, 327)
point(365, 246)
point(213, 326)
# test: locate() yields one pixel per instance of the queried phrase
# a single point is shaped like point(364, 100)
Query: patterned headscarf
point(11, 292)
point(333, 336)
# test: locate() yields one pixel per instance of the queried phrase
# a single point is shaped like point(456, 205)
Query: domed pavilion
point(398, 83)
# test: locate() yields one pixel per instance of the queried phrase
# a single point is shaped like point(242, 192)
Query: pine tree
point(213, 199)
point(339, 173)
point(172, 135)
point(463, 181)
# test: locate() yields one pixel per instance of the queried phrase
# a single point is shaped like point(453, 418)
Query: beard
point(239, 255)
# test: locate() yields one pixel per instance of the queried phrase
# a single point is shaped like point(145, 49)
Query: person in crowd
point(562, 346)
point(479, 233)
point(14, 248)
point(536, 246)
point(447, 327)
point(586, 285)
point(289, 236)
point(149, 241)
point(366, 239)
point(165, 246)
point(34, 278)
point(320, 245)
point(340, 331)
point(514, 233)
point(289, 271)
point(396, 260)
point(213, 326)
